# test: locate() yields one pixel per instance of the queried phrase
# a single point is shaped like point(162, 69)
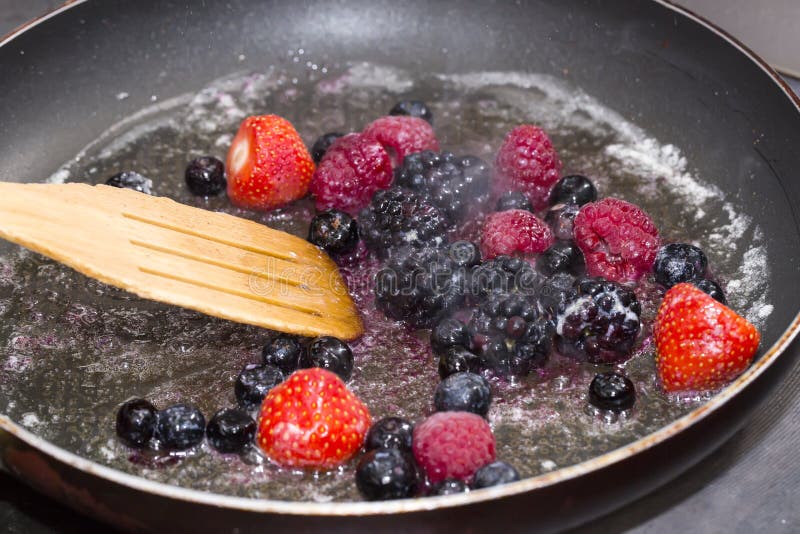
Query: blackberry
point(494, 474)
point(503, 275)
point(136, 420)
point(561, 219)
point(573, 189)
point(451, 183)
point(322, 144)
point(463, 392)
point(562, 256)
point(132, 180)
point(451, 486)
point(419, 286)
point(513, 200)
point(230, 430)
point(180, 427)
point(329, 353)
point(254, 382)
point(511, 333)
point(458, 360)
point(412, 108)
point(679, 262)
point(712, 288)
point(283, 352)
point(599, 321)
point(449, 333)
point(612, 391)
point(205, 176)
point(384, 474)
point(399, 217)
point(334, 231)
point(390, 433)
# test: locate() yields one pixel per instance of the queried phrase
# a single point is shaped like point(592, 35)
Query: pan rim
point(423, 504)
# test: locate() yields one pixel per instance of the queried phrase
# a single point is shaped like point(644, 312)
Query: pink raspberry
point(510, 231)
point(453, 445)
point(352, 170)
point(402, 135)
point(527, 162)
point(619, 241)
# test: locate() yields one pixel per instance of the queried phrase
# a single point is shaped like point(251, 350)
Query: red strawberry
point(402, 135)
point(510, 231)
point(268, 164)
point(312, 420)
point(701, 344)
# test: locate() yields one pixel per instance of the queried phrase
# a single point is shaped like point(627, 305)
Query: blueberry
point(463, 392)
point(562, 256)
point(136, 420)
point(322, 144)
point(450, 487)
point(612, 391)
point(514, 200)
point(494, 474)
point(679, 262)
point(412, 108)
point(230, 430)
point(254, 382)
point(458, 360)
point(131, 180)
point(561, 219)
point(573, 189)
point(283, 352)
point(384, 474)
point(334, 231)
point(712, 288)
point(329, 353)
point(449, 333)
point(180, 427)
point(390, 433)
point(205, 177)
point(464, 253)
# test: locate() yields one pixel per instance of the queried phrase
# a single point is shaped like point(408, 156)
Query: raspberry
point(511, 231)
point(453, 445)
point(352, 170)
point(402, 135)
point(618, 240)
point(527, 162)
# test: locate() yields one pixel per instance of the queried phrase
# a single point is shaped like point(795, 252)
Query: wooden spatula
point(162, 250)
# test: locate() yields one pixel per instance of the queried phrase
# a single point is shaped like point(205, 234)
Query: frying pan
point(676, 76)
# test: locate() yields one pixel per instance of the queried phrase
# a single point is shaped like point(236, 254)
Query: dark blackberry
point(513, 200)
point(136, 420)
point(180, 427)
point(612, 391)
point(449, 333)
point(463, 392)
point(412, 108)
point(384, 474)
point(503, 275)
point(451, 183)
point(254, 382)
point(458, 360)
point(322, 144)
point(679, 262)
point(573, 189)
point(334, 231)
point(132, 180)
point(561, 219)
point(205, 177)
point(230, 430)
point(494, 474)
point(511, 333)
point(390, 433)
point(283, 351)
point(419, 286)
point(562, 256)
point(329, 353)
point(599, 321)
point(464, 253)
point(399, 217)
point(712, 288)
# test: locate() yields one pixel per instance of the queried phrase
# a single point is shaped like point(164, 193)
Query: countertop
point(750, 484)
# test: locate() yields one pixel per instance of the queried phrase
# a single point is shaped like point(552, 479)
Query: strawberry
point(701, 344)
point(268, 165)
point(312, 421)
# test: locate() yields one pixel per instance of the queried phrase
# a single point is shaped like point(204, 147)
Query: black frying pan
point(672, 74)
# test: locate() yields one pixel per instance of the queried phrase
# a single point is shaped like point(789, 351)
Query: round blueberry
point(136, 420)
point(322, 144)
point(384, 474)
point(458, 360)
point(494, 474)
point(230, 430)
point(463, 392)
point(573, 189)
point(561, 219)
point(390, 433)
point(612, 391)
point(450, 487)
point(283, 351)
point(329, 353)
point(562, 256)
point(412, 108)
point(712, 288)
point(679, 262)
point(131, 180)
point(334, 231)
point(464, 253)
point(514, 200)
point(449, 333)
point(254, 382)
point(205, 177)
point(180, 427)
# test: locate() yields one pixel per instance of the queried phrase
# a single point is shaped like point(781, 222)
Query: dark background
point(749, 485)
